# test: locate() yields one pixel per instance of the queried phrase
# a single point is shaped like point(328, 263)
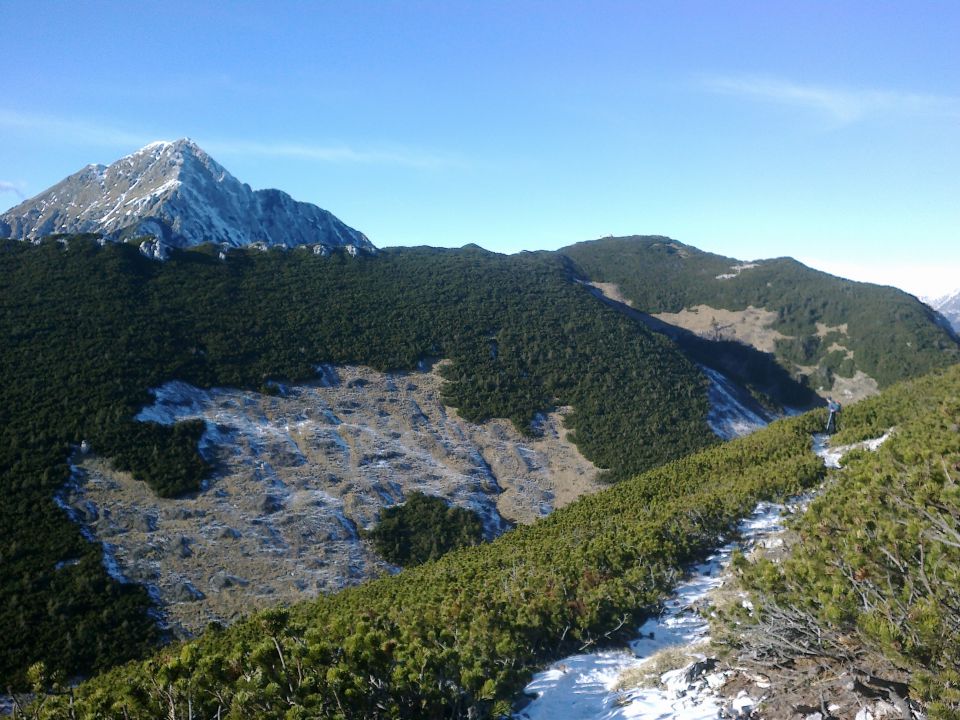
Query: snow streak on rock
point(177, 193)
point(84, 514)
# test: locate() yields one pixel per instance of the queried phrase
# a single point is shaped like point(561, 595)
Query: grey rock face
point(154, 249)
point(177, 193)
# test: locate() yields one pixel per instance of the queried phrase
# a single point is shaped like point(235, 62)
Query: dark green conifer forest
point(424, 528)
point(89, 329)
point(891, 334)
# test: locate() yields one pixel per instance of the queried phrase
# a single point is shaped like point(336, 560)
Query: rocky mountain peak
point(177, 193)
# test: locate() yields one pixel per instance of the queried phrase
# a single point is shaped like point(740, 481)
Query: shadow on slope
point(771, 387)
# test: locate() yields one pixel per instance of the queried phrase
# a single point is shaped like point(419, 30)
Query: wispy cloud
point(844, 105)
point(338, 153)
point(99, 134)
point(70, 130)
point(9, 187)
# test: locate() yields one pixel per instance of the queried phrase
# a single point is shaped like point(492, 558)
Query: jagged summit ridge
point(176, 192)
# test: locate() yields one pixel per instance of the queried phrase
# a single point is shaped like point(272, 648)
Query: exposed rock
point(185, 592)
point(154, 249)
point(175, 192)
point(271, 504)
point(183, 547)
point(300, 475)
point(222, 580)
point(145, 522)
point(698, 669)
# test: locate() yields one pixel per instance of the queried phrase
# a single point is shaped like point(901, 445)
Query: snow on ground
point(832, 455)
point(82, 515)
point(733, 413)
point(584, 687)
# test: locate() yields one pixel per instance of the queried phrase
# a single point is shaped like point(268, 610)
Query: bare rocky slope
point(298, 476)
point(177, 193)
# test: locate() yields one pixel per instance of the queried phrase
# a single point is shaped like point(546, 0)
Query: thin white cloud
point(844, 105)
point(98, 134)
point(69, 130)
point(407, 157)
point(9, 187)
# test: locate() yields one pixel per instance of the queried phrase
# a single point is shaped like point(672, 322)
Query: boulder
point(223, 580)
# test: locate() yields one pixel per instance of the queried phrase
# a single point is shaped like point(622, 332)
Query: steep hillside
point(89, 329)
point(300, 476)
point(841, 335)
point(867, 603)
point(873, 582)
point(176, 192)
point(459, 636)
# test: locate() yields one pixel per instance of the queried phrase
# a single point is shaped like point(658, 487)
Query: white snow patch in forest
point(730, 416)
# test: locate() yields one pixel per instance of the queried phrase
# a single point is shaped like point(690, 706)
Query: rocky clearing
point(297, 476)
point(754, 326)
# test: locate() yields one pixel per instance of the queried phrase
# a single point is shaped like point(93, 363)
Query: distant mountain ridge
point(949, 307)
point(839, 337)
point(177, 193)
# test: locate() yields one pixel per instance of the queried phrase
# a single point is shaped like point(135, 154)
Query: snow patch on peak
point(176, 192)
point(948, 306)
point(156, 144)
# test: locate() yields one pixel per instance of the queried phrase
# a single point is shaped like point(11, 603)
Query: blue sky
point(828, 131)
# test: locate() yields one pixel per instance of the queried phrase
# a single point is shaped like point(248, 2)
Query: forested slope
point(890, 335)
point(874, 578)
point(871, 591)
point(87, 330)
point(459, 636)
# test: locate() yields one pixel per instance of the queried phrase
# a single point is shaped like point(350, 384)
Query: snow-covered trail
point(584, 687)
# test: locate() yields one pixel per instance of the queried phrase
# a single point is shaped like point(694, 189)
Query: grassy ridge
point(460, 636)
point(873, 586)
point(87, 330)
point(893, 335)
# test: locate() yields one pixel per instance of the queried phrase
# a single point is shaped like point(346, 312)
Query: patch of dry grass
point(648, 674)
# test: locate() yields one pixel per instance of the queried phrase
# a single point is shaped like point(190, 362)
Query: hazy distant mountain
point(949, 307)
point(176, 192)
